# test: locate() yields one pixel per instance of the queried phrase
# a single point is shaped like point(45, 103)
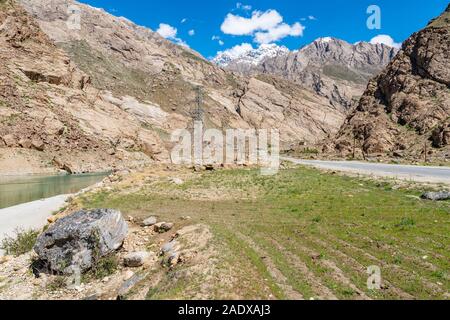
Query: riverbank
point(15, 190)
point(31, 215)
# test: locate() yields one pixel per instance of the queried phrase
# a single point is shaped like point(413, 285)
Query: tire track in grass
point(249, 273)
point(396, 269)
point(316, 285)
point(359, 268)
point(275, 273)
point(396, 250)
point(335, 272)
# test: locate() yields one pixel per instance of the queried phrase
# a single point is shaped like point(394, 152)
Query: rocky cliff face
point(50, 115)
point(405, 111)
point(329, 67)
point(112, 92)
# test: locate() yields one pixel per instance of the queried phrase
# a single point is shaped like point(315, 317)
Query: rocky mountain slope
point(130, 60)
point(245, 61)
point(405, 111)
point(50, 115)
point(329, 67)
point(113, 91)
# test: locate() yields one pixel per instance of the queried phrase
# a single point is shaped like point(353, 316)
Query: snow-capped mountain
point(330, 67)
point(246, 55)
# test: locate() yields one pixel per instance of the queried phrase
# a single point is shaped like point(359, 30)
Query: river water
point(21, 189)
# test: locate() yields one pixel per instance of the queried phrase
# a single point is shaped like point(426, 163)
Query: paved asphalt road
point(404, 172)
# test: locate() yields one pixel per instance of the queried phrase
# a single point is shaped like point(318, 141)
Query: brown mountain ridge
point(405, 111)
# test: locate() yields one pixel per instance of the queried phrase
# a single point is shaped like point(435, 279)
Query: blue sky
point(292, 23)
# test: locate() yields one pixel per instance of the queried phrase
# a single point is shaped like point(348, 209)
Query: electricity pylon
point(198, 112)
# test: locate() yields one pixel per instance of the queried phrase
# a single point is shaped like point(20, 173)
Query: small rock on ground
point(136, 259)
point(151, 221)
point(436, 196)
point(177, 181)
point(163, 227)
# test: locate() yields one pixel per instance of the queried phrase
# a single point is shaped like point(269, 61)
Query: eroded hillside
point(51, 117)
point(128, 60)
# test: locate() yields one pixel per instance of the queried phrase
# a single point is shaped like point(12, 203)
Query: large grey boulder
point(75, 243)
point(436, 196)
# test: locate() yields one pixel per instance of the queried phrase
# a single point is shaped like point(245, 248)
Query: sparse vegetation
point(405, 223)
point(343, 73)
point(302, 217)
point(21, 243)
point(310, 151)
point(4, 3)
point(104, 267)
point(57, 283)
point(192, 56)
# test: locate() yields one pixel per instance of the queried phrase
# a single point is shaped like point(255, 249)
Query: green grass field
point(303, 233)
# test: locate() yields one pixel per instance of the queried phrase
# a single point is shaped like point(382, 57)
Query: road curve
point(403, 172)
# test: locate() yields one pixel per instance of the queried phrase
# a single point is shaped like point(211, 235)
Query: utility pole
point(198, 112)
point(197, 127)
point(425, 152)
point(354, 147)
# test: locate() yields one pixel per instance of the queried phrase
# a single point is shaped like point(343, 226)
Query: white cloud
point(167, 31)
point(239, 26)
point(265, 27)
point(312, 18)
point(385, 39)
point(236, 51)
point(279, 32)
point(184, 20)
point(218, 39)
point(191, 32)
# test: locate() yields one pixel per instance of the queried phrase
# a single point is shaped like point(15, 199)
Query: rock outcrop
point(406, 109)
point(76, 242)
point(52, 118)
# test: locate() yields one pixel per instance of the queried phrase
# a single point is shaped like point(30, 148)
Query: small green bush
point(21, 243)
point(317, 219)
point(106, 266)
point(406, 223)
point(57, 284)
point(102, 268)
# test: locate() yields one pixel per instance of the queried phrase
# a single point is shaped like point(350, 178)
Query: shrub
point(106, 266)
point(102, 268)
point(405, 223)
point(57, 284)
point(21, 243)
